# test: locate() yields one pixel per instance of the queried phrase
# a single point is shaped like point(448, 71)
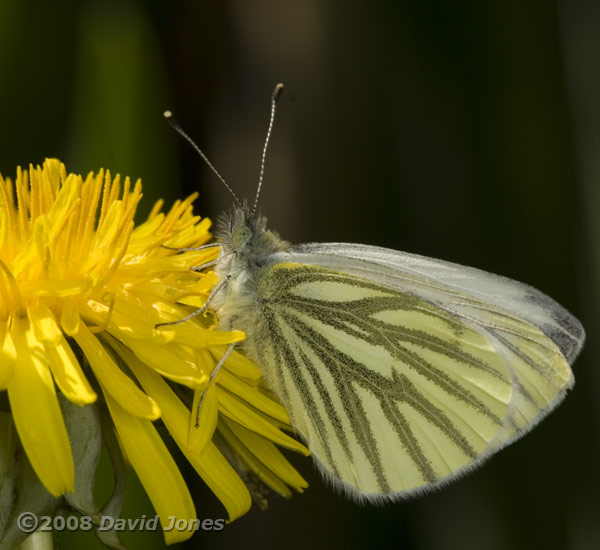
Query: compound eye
point(240, 235)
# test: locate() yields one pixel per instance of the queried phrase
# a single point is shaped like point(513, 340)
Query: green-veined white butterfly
point(400, 372)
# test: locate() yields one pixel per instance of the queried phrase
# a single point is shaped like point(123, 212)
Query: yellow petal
point(174, 289)
point(235, 409)
point(69, 319)
point(37, 414)
point(128, 316)
point(116, 382)
point(155, 468)
point(55, 289)
point(252, 462)
point(44, 325)
point(8, 358)
point(167, 361)
point(67, 196)
point(205, 360)
point(191, 334)
point(148, 229)
point(239, 364)
point(269, 455)
point(130, 323)
point(28, 253)
point(211, 465)
point(253, 397)
point(179, 262)
point(106, 235)
point(68, 374)
point(203, 427)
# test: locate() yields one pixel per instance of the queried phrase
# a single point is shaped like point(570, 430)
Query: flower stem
point(40, 540)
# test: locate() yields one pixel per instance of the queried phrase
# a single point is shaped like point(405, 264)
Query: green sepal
point(85, 433)
point(30, 496)
point(115, 503)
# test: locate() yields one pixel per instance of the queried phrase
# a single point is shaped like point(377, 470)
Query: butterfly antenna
point(274, 99)
point(175, 125)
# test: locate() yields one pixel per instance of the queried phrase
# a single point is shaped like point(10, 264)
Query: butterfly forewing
point(448, 283)
point(398, 380)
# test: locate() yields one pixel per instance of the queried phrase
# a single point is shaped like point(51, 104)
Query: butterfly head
point(245, 237)
point(240, 236)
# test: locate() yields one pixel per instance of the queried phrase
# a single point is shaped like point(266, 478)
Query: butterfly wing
point(400, 371)
point(398, 269)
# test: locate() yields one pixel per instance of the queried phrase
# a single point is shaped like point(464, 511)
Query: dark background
point(467, 131)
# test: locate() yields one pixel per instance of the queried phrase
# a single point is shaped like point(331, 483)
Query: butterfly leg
point(212, 377)
point(195, 248)
point(200, 267)
point(200, 310)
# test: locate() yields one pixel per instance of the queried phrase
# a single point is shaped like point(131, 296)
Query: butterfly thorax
point(247, 245)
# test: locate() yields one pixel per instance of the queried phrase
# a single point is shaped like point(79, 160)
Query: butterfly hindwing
point(399, 377)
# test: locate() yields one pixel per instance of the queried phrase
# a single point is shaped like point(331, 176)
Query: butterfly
point(400, 372)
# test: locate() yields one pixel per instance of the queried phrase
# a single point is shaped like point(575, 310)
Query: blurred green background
point(467, 131)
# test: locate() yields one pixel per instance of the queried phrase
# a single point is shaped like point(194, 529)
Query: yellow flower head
point(81, 290)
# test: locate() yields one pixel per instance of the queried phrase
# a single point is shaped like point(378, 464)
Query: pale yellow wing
point(398, 381)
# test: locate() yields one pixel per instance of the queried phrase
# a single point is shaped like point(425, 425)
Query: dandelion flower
point(81, 290)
